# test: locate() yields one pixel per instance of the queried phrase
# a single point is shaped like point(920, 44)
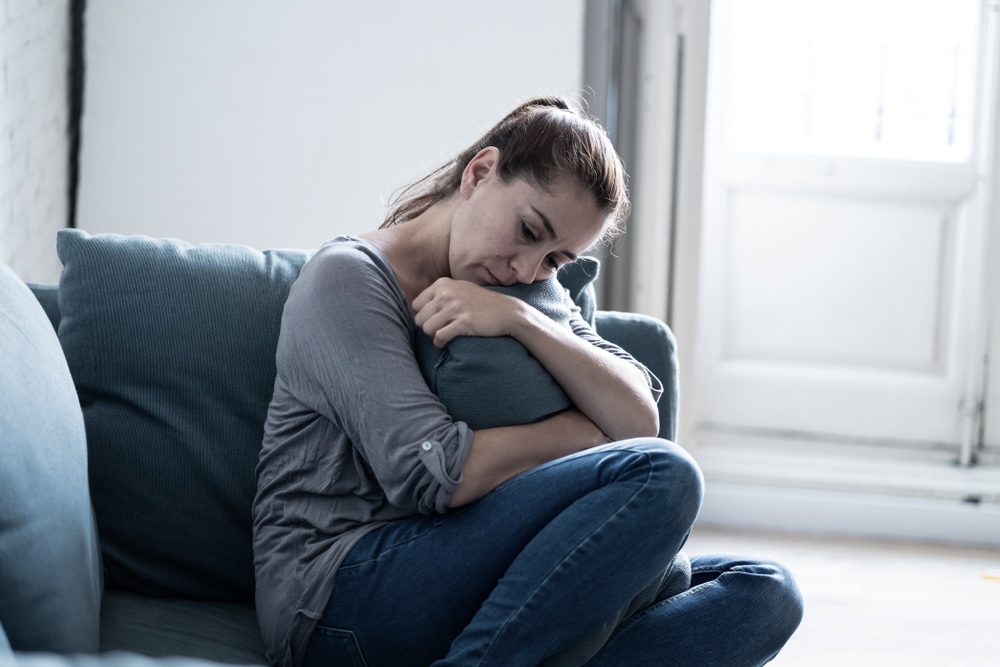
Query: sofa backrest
point(48, 297)
point(171, 346)
point(50, 576)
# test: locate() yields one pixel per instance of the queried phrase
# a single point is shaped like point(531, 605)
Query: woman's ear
point(481, 166)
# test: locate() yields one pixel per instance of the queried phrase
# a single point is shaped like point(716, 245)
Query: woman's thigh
point(407, 589)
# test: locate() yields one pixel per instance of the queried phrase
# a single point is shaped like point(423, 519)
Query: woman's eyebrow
point(545, 222)
point(549, 229)
point(551, 232)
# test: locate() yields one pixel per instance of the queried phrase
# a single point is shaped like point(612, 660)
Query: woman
point(387, 534)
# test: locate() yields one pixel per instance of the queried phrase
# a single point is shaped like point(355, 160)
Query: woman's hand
point(451, 308)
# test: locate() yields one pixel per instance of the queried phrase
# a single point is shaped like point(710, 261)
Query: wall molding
point(850, 515)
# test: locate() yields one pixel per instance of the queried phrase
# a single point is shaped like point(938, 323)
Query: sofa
point(134, 394)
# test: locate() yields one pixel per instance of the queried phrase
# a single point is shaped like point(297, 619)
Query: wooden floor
point(881, 604)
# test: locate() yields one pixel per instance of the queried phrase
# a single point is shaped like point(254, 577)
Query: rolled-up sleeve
point(348, 355)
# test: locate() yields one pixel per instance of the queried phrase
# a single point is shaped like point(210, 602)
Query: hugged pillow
point(172, 346)
point(578, 278)
point(50, 564)
point(494, 381)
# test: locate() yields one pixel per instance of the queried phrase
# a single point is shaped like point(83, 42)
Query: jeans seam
point(659, 605)
point(484, 659)
point(441, 521)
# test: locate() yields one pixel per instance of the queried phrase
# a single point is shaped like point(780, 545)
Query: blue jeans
point(532, 567)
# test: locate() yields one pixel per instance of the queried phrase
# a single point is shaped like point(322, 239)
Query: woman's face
point(507, 233)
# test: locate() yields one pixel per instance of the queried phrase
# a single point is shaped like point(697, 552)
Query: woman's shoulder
point(350, 258)
point(349, 249)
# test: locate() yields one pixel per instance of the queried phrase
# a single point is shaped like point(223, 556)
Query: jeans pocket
point(333, 647)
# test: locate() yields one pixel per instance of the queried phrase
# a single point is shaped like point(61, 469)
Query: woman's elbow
point(650, 426)
point(462, 495)
point(644, 423)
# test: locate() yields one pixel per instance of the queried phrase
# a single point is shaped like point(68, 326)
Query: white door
point(842, 260)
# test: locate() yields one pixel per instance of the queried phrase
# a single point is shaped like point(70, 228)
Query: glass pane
point(871, 78)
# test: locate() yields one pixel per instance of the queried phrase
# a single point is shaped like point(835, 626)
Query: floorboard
point(885, 604)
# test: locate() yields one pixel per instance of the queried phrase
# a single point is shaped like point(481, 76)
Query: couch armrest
point(652, 343)
point(5, 649)
point(48, 296)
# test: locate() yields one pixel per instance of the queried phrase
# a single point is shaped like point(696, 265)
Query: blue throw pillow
point(172, 346)
point(494, 381)
point(578, 278)
point(50, 566)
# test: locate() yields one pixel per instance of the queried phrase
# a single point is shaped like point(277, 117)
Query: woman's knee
point(675, 473)
point(764, 585)
point(783, 596)
point(671, 480)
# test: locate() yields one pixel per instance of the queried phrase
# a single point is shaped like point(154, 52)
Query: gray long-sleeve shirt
point(353, 439)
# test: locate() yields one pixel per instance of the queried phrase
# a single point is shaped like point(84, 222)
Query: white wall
point(34, 145)
point(281, 124)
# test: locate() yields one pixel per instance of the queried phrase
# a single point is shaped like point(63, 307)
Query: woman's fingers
point(450, 308)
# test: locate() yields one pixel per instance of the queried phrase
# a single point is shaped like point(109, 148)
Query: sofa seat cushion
point(50, 573)
point(218, 631)
point(172, 348)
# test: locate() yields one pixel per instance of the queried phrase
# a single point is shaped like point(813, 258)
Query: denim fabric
point(542, 561)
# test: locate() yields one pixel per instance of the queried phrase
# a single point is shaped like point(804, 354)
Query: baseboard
point(848, 514)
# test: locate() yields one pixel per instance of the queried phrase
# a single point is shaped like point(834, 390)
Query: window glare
point(871, 78)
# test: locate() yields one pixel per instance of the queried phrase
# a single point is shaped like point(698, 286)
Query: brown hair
point(541, 141)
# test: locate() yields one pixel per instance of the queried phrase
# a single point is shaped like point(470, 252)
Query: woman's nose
point(525, 269)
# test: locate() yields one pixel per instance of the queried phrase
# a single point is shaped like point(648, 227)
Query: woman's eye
point(526, 230)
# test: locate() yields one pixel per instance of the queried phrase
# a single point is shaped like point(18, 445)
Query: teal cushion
point(172, 346)
point(578, 278)
point(494, 381)
point(225, 632)
point(50, 576)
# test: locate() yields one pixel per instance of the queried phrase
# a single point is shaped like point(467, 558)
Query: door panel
point(839, 262)
point(836, 316)
point(808, 282)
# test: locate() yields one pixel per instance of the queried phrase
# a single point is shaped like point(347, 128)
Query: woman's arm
point(498, 454)
point(610, 391)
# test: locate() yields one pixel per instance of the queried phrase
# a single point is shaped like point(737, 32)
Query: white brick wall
point(34, 144)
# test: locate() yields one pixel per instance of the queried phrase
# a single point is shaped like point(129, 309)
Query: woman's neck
point(417, 249)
